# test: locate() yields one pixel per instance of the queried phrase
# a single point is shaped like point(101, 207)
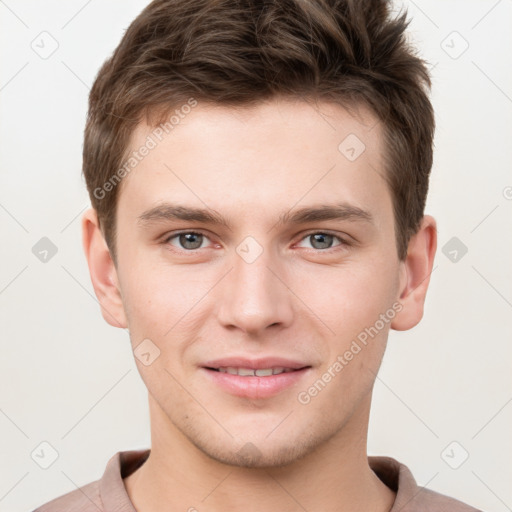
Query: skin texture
point(295, 300)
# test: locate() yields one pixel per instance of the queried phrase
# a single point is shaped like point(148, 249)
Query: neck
point(335, 477)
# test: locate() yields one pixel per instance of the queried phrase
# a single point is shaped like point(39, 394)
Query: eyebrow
point(341, 211)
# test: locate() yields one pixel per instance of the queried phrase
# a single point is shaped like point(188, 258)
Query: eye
point(188, 240)
point(320, 240)
point(192, 240)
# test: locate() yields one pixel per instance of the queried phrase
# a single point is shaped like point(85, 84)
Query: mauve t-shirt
point(108, 494)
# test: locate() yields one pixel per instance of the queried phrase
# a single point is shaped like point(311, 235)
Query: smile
point(255, 384)
point(250, 372)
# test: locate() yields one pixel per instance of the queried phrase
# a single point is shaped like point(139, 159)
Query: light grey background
point(69, 379)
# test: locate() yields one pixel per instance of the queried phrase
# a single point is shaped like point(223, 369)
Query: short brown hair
point(241, 52)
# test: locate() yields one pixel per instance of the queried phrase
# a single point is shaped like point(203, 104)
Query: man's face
point(267, 285)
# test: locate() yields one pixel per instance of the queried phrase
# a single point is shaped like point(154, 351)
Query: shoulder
point(106, 494)
point(84, 499)
point(428, 500)
point(409, 496)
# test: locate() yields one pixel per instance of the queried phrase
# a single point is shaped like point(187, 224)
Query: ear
point(415, 275)
point(102, 270)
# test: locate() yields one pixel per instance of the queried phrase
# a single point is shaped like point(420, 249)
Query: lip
point(255, 364)
point(255, 387)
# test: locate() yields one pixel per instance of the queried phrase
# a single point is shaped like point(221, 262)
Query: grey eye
point(189, 240)
point(321, 240)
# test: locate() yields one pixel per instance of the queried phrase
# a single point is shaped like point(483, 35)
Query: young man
point(258, 174)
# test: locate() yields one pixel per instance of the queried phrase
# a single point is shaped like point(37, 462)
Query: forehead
point(276, 153)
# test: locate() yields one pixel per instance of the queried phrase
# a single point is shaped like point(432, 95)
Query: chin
point(252, 456)
point(258, 451)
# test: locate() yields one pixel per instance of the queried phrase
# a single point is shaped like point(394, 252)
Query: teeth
point(263, 373)
point(249, 372)
point(245, 372)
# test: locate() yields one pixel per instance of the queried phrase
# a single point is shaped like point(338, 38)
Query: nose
point(255, 295)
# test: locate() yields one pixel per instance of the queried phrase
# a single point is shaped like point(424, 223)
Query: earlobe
point(415, 275)
point(102, 270)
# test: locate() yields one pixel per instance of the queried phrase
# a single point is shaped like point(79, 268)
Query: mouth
point(255, 383)
point(252, 372)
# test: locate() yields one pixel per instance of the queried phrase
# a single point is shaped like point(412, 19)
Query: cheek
point(349, 298)
point(157, 296)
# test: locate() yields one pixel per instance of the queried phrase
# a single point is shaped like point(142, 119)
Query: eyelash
point(343, 243)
